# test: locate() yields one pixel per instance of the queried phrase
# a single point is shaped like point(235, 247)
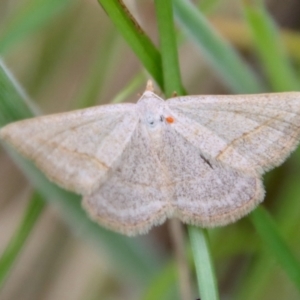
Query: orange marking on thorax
point(170, 119)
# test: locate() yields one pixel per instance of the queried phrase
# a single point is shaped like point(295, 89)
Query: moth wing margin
point(74, 149)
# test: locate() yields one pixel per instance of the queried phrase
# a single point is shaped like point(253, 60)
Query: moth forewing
point(196, 158)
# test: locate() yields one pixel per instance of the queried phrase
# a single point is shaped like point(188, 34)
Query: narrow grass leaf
point(271, 237)
point(203, 262)
point(172, 82)
point(21, 235)
point(237, 32)
point(14, 102)
point(198, 237)
point(135, 37)
point(270, 48)
point(223, 58)
point(253, 284)
point(168, 48)
point(31, 16)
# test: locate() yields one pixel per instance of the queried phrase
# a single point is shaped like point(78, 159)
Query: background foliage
point(72, 54)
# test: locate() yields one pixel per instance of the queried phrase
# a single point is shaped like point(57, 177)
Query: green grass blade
point(198, 237)
point(31, 16)
point(270, 235)
point(270, 49)
point(203, 262)
point(253, 286)
point(263, 270)
point(14, 103)
point(135, 37)
point(17, 242)
point(222, 57)
point(168, 48)
point(172, 82)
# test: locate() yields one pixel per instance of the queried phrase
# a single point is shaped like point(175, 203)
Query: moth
point(196, 158)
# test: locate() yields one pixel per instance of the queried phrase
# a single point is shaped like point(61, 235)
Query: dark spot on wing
point(206, 161)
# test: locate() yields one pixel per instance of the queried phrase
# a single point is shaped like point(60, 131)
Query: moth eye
point(161, 118)
point(150, 120)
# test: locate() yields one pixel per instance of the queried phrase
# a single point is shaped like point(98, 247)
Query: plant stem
point(168, 48)
point(17, 242)
point(204, 266)
point(267, 229)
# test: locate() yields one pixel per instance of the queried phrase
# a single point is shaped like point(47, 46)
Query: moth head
point(153, 111)
point(152, 119)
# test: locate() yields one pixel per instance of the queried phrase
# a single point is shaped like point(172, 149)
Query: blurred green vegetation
point(73, 54)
